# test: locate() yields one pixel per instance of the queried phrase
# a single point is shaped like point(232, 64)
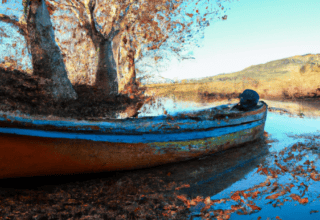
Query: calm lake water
point(275, 178)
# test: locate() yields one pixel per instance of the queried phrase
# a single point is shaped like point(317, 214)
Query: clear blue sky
point(256, 31)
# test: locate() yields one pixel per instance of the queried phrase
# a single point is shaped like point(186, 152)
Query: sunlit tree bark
point(106, 73)
point(108, 32)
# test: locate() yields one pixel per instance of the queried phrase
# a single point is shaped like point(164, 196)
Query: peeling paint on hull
point(32, 155)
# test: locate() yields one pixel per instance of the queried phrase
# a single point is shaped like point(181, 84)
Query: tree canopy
point(106, 43)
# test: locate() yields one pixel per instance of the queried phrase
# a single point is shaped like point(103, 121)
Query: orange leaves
point(283, 168)
point(224, 17)
point(198, 199)
point(315, 176)
point(265, 170)
point(236, 196)
point(289, 158)
point(160, 17)
point(183, 198)
point(254, 194)
point(299, 199)
point(190, 15)
point(156, 58)
point(182, 186)
point(273, 173)
point(198, 202)
point(254, 207)
point(307, 162)
point(207, 201)
point(190, 23)
point(276, 195)
point(153, 47)
point(50, 7)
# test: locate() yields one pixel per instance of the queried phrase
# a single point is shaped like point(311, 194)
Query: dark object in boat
point(248, 100)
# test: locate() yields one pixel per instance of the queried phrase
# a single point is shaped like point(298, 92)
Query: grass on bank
point(304, 82)
point(289, 78)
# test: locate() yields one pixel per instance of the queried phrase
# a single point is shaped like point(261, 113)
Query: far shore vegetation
point(295, 77)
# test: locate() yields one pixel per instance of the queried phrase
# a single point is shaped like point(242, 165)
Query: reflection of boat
point(35, 146)
point(219, 171)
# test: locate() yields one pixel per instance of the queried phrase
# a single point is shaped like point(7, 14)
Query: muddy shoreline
point(29, 94)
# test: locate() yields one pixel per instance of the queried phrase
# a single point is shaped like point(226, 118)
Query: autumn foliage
point(102, 41)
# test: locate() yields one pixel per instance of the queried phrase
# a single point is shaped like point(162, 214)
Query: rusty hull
point(37, 156)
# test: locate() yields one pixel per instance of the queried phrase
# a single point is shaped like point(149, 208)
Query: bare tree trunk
point(116, 51)
point(47, 59)
point(126, 69)
point(106, 77)
point(130, 78)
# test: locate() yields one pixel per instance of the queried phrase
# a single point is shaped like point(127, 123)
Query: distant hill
point(269, 70)
point(156, 80)
point(293, 78)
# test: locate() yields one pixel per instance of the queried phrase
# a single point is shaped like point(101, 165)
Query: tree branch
point(76, 10)
point(113, 32)
point(121, 18)
point(13, 20)
point(61, 5)
point(159, 45)
point(122, 22)
point(90, 8)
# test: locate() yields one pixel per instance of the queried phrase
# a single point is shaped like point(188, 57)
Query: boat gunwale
point(95, 127)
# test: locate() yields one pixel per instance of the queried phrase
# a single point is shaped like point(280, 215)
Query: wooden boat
point(39, 145)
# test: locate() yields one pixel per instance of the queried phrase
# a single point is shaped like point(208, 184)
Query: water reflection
point(161, 106)
point(156, 107)
point(212, 175)
point(230, 185)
